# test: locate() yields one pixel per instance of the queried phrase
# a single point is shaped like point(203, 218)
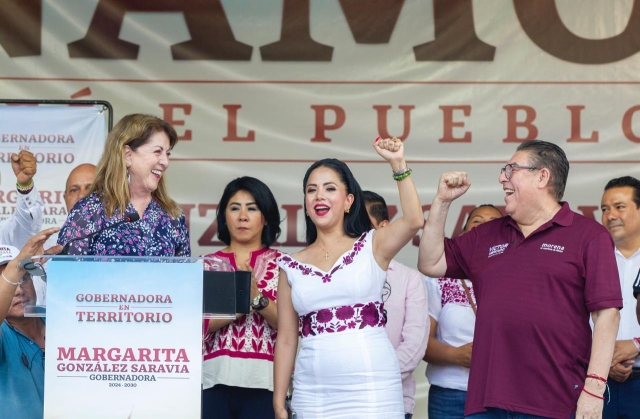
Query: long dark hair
point(265, 202)
point(356, 221)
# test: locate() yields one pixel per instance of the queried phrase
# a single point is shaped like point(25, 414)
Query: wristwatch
point(259, 302)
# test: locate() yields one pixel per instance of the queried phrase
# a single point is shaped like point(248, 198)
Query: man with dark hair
point(537, 272)
point(621, 216)
point(406, 307)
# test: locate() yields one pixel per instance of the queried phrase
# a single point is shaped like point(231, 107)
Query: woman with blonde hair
point(129, 184)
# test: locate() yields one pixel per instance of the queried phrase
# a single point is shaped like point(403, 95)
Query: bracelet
point(403, 175)
point(636, 341)
point(594, 395)
point(597, 377)
point(9, 282)
point(24, 189)
point(401, 171)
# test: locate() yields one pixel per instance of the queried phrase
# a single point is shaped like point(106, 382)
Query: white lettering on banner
point(36, 138)
point(498, 250)
point(552, 247)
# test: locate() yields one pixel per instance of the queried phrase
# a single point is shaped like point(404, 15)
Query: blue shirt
point(21, 386)
point(155, 234)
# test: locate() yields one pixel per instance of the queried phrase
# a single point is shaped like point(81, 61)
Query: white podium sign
point(124, 340)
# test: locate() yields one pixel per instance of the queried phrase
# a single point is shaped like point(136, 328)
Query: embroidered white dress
point(346, 366)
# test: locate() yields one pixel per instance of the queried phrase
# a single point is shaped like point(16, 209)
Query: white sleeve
point(434, 294)
point(25, 222)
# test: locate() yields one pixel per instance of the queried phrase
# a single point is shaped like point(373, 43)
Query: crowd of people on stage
point(533, 313)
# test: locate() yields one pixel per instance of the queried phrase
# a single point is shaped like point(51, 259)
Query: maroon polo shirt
point(532, 339)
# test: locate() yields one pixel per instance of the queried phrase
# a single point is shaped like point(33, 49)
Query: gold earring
point(347, 211)
point(307, 213)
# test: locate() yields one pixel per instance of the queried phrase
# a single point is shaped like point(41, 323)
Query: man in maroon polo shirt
point(538, 274)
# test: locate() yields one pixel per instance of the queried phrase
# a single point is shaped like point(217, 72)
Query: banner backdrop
point(265, 87)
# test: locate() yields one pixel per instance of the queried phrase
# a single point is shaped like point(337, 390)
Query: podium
point(124, 334)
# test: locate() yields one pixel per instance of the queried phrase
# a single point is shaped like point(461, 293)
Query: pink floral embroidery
point(338, 319)
point(326, 277)
point(345, 312)
point(250, 335)
point(452, 292)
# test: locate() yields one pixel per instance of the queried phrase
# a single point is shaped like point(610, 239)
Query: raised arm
point(388, 241)
point(13, 273)
point(431, 260)
point(286, 348)
point(27, 219)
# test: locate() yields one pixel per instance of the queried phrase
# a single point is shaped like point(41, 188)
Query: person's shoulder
point(91, 199)
point(299, 256)
point(4, 330)
point(212, 255)
point(493, 225)
point(587, 225)
point(90, 204)
point(401, 270)
point(401, 267)
point(274, 254)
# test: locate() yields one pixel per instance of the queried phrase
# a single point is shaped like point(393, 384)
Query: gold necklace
point(326, 254)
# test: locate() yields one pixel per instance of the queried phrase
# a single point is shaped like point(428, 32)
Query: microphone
point(130, 217)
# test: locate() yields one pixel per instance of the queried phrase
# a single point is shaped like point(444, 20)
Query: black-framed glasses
point(508, 169)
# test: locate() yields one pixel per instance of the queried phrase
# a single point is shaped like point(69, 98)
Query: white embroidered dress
point(346, 366)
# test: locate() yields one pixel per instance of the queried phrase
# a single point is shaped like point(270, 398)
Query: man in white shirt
point(621, 216)
point(26, 220)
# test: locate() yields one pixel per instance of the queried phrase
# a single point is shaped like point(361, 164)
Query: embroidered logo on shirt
point(497, 250)
point(552, 247)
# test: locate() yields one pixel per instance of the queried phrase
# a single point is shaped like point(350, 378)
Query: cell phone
point(291, 414)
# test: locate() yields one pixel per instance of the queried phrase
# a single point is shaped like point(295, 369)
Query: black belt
point(635, 374)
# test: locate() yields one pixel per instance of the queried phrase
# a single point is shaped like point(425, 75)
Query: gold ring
point(394, 139)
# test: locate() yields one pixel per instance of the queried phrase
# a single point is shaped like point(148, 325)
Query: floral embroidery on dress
point(250, 335)
point(306, 269)
point(452, 292)
point(155, 234)
point(339, 319)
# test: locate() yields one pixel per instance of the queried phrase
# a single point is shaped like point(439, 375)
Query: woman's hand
point(463, 355)
point(392, 150)
point(34, 246)
point(281, 413)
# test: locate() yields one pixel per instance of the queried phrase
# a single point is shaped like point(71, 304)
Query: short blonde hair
point(110, 182)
